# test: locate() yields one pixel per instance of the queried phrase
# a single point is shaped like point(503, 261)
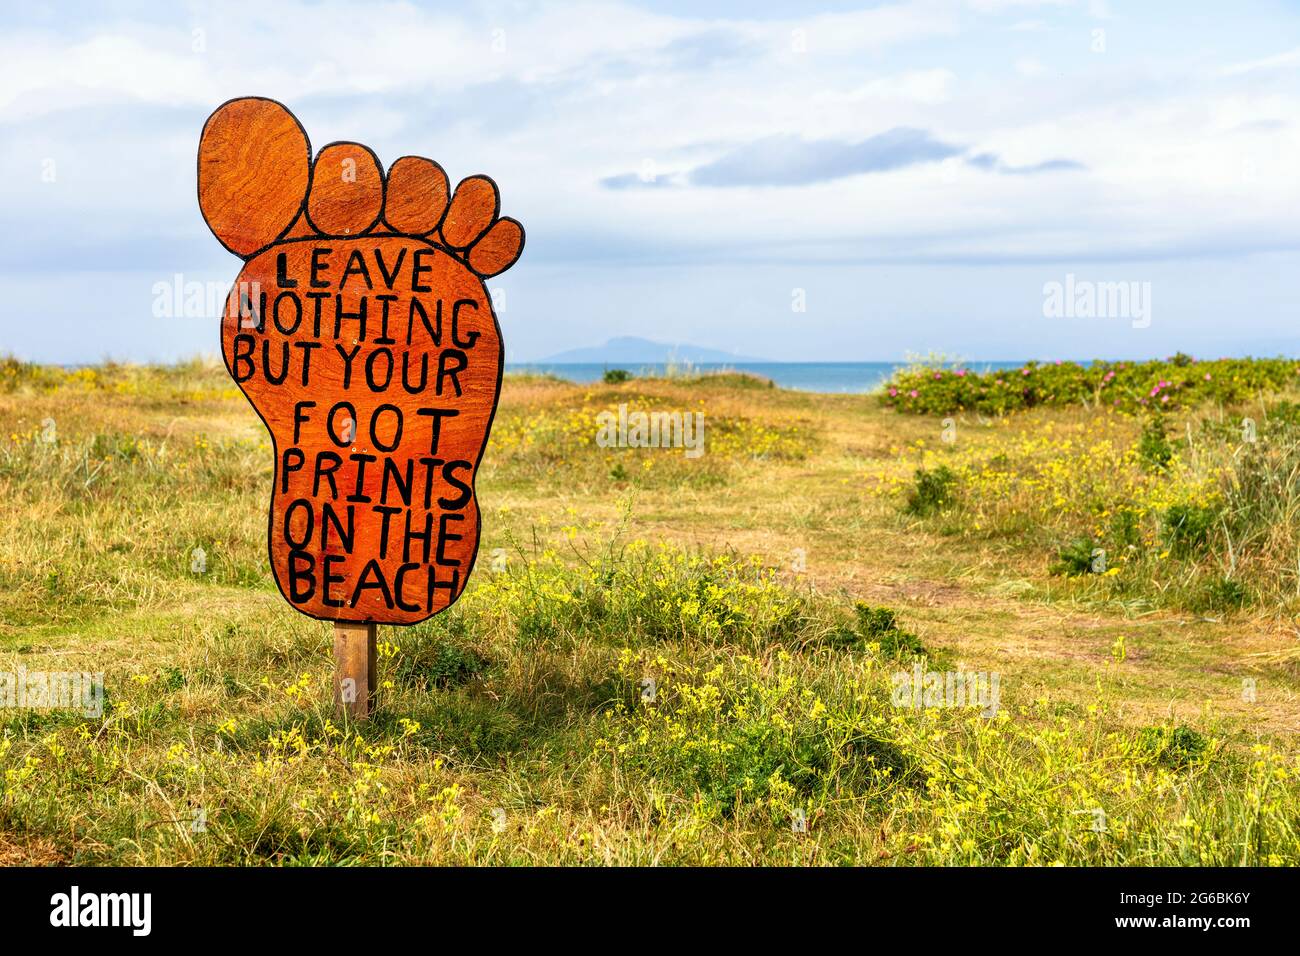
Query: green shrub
point(874, 621)
point(1286, 414)
point(1154, 448)
point(1177, 747)
point(429, 657)
point(1187, 528)
point(879, 625)
point(642, 592)
point(616, 376)
point(1220, 594)
point(741, 741)
point(1074, 559)
point(934, 490)
point(1126, 527)
point(1129, 386)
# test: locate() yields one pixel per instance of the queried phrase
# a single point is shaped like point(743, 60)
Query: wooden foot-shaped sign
point(361, 332)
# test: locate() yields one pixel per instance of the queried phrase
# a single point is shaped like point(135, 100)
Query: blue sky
point(914, 172)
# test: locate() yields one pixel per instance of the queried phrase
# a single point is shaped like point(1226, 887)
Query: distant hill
point(630, 350)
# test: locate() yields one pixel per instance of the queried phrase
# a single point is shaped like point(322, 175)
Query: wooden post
point(354, 669)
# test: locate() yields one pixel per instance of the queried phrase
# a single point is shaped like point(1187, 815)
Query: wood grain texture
point(498, 248)
point(347, 190)
point(417, 195)
point(361, 332)
point(254, 166)
point(355, 670)
point(472, 209)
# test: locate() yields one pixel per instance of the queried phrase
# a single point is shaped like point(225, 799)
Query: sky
point(795, 181)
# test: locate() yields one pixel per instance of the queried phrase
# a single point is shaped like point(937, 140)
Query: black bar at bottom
point(934, 905)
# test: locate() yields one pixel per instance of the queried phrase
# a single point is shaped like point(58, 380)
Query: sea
point(839, 377)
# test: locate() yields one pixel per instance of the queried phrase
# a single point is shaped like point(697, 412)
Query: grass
point(662, 660)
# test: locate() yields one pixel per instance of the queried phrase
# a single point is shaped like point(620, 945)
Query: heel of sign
point(354, 670)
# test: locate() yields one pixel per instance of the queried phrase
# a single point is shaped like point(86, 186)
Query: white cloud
point(1003, 6)
point(584, 92)
point(570, 95)
point(1289, 59)
point(1029, 26)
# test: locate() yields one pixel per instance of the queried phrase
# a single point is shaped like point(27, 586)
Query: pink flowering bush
point(1129, 386)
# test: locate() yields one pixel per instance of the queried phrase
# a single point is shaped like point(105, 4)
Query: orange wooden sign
point(361, 332)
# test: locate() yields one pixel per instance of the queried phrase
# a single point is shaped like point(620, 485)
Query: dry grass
point(521, 698)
